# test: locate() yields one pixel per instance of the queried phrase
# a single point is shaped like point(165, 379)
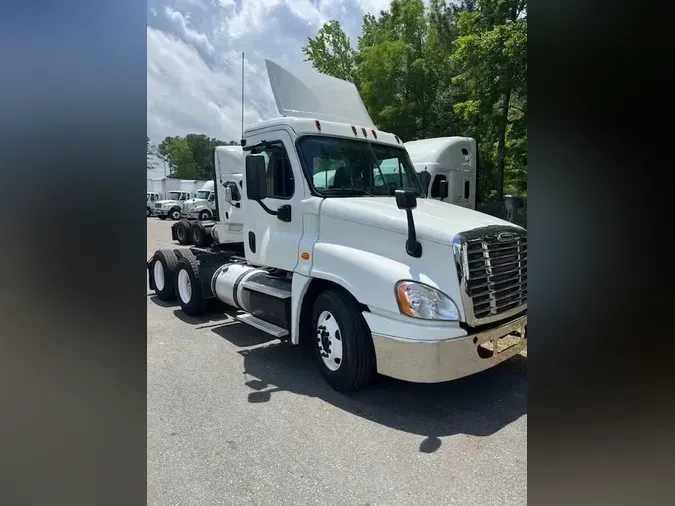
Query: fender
point(367, 276)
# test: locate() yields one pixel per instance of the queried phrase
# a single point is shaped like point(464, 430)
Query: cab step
point(267, 327)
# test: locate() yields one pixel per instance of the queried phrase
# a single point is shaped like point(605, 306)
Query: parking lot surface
point(236, 417)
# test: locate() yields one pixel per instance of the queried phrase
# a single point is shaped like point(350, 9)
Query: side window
point(236, 196)
point(280, 182)
point(436, 186)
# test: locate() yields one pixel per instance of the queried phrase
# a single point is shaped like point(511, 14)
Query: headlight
point(421, 301)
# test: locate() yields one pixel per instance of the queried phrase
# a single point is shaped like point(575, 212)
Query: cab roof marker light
point(354, 130)
point(365, 134)
point(318, 125)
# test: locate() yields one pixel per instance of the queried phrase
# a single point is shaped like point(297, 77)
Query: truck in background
point(228, 161)
point(150, 199)
point(203, 205)
point(451, 159)
point(375, 280)
point(172, 205)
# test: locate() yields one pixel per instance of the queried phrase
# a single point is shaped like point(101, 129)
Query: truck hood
point(166, 202)
point(434, 220)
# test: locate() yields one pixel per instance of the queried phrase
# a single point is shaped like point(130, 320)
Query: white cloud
point(194, 57)
point(188, 34)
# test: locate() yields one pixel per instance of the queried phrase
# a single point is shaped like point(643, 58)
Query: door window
point(436, 186)
point(280, 181)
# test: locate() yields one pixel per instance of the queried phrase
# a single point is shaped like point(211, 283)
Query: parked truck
point(150, 199)
point(228, 161)
point(203, 205)
point(451, 159)
point(374, 277)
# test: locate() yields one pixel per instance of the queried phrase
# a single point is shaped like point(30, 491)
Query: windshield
point(346, 167)
point(173, 196)
point(203, 194)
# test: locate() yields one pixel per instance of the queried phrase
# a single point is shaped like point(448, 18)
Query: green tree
point(190, 157)
point(177, 152)
point(331, 52)
point(490, 57)
point(453, 68)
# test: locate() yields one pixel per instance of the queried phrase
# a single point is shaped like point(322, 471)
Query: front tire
point(148, 212)
point(204, 215)
point(189, 286)
point(174, 214)
point(342, 341)
point(162, 217)
point(162, 268)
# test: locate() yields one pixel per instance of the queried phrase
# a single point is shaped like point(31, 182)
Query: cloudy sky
point(194, 57)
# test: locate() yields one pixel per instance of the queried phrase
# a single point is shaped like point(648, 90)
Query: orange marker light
point(304, 256)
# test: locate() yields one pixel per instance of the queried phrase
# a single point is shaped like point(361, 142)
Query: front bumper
point(160, 212)
point(447, 359)
point(191, 215)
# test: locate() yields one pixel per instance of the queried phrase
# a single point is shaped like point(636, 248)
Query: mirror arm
point(267, 209)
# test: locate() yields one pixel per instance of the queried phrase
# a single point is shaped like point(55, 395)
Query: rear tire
point(342, 341)
point(183, 252)
point(183, 233)
point(189, 286)
point(199, 236)
point(162, 268)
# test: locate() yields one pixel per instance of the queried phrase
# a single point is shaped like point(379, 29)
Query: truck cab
point(339, 248)
point(150, 199)
point(171, 207)
point(203, 205)
point(451, 159)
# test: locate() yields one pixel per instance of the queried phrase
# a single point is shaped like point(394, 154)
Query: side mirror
point(256, 175)
point(228, 195)
point(405, 199)
point(443, 189)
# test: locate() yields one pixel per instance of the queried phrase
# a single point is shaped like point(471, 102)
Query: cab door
point(268, 240)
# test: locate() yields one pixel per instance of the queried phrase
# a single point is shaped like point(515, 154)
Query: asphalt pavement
point(236, 417)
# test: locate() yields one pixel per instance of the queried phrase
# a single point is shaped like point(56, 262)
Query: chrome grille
point(492, 268)
point(158, 206)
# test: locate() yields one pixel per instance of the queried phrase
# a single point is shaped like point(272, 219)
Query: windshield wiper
point(333, 191)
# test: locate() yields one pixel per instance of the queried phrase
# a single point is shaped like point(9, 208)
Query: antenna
point(242, 98)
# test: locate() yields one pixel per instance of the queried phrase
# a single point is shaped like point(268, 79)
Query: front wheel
point(174, 214)
point(204, 215)
point(148, 212)
point(343, 343)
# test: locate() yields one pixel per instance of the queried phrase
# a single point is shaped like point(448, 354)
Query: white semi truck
point(451, 159)
point(150, 199)
point(203, 205)
point(229, 169)
point(374, 279)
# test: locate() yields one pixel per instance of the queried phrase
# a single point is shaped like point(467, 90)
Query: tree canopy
point(189, 157)
point(455, 68)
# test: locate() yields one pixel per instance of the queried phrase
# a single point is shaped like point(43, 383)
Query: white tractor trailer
point(376, 278)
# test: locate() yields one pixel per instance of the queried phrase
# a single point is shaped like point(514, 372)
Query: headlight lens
point(421, 301)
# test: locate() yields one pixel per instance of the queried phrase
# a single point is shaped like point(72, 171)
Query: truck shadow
point(479, 405)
